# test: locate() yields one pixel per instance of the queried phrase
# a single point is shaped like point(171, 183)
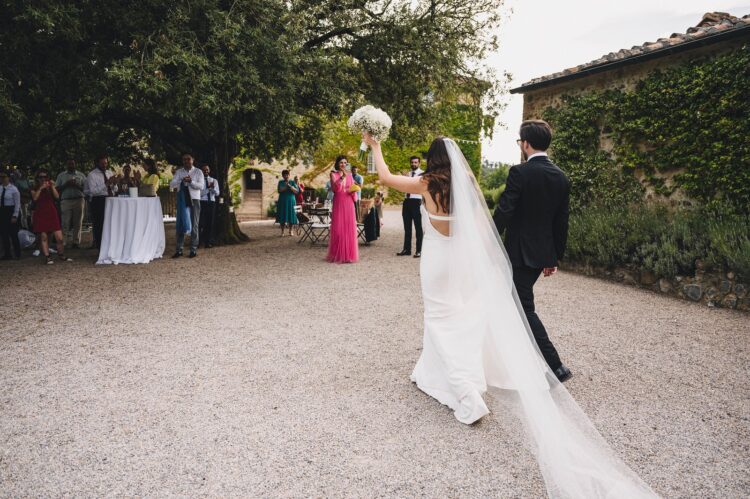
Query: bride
point(476, 336)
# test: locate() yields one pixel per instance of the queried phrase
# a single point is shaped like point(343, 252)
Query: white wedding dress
point(476, 338)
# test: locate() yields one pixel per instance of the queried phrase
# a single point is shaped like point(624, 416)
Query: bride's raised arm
point(411, 185)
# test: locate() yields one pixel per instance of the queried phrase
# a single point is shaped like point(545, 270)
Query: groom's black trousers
point(412, 215)
point(524, 279)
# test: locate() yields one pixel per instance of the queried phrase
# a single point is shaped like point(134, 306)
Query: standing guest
point(20, 179)
point(378, 203)
point(209, 193)
point(189, 181)
point(300, 196)
point(286, 215)
point(10, 209)
point(70, 184)
point(342, 245)
point(360, 181)
point(411, 213)
point(45, 218)
point(99, 185)
point(150, 182)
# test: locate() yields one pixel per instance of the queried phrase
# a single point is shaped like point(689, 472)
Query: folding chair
point(305, 228)
point(361, 233)
point(319, 233)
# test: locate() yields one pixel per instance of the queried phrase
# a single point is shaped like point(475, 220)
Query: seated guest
point(150, 182)
point(45, 218)
point(209, 193)
point(189, 182)
point(70, 185)
point(99, 184)
point(10, 209)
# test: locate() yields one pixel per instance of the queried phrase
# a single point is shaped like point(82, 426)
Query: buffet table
point(133, 231)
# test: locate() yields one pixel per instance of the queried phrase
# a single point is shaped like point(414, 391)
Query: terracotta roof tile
point(712, 23)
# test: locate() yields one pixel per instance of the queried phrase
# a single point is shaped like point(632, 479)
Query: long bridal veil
point(574, 459)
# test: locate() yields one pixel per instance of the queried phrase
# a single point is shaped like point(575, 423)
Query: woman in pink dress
point(342, 246)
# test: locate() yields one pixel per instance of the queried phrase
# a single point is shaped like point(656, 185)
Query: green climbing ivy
point(691, 120)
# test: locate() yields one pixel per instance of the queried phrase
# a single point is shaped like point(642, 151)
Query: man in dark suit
point(533, 213)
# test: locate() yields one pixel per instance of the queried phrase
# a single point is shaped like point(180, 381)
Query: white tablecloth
point(133, 231)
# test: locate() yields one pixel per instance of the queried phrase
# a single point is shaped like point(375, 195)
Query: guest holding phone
point(45, 218)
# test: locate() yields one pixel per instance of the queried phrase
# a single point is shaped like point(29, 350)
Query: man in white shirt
point(10, 208)
point(97, 187)
point(411, 213)
point(190, 179)
point(209, 195)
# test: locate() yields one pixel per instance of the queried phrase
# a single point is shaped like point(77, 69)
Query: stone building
point(715, 34)
point(258, 187)
point(718, 32)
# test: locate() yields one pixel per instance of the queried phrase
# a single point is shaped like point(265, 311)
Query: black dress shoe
point(417, 254)
point(403, 253)
point(177, 255)
point(192, 254)
point(563, 373)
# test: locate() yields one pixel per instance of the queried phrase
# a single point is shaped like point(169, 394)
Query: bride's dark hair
point(438, 174)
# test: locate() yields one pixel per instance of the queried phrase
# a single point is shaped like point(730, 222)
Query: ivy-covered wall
point(660, 171)
point(683, 130)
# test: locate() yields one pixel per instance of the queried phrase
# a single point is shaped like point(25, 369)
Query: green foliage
point(594, 175)
point(492, 179)
point(216, 77)
point(690, 119)
point(492, 195)
point(664, 242)
point(271, 211)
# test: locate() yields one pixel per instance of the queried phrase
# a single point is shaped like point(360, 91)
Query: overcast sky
point(539, 37)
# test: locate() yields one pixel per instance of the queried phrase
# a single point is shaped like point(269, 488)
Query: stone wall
point(714, 289)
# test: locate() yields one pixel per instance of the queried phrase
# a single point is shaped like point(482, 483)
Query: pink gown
point(342, 246)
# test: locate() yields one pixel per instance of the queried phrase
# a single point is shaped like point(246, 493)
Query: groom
point(533, 211)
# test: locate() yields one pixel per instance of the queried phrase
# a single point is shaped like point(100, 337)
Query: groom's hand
point(548, 271)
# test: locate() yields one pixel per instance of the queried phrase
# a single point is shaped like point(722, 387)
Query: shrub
point(271, 212)
point(664, 242)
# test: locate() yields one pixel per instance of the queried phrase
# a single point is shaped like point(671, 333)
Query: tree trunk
point(227, 229)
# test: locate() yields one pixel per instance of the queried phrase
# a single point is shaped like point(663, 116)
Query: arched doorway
point(252, 196)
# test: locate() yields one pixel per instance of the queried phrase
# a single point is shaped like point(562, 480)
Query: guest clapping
point(286, 215)
point(45, 218)
point(70, 184)
point(189, 181)
point(10, 210)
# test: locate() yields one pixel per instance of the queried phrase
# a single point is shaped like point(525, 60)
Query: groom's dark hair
point(537, 133)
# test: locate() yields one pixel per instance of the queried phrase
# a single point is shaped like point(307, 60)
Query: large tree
point(213, 76)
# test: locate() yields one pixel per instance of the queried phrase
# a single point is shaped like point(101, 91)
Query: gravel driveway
point(261, 370)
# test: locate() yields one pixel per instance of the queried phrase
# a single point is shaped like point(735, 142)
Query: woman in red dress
point(45, 218)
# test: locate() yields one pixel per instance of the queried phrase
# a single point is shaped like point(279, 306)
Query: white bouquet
point(372, 120)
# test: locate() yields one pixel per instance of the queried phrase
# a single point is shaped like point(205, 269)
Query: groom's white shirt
point(537, 154)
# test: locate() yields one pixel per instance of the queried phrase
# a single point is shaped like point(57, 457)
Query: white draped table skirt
point(133, 231)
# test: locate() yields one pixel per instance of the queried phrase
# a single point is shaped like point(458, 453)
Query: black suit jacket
point(533, 211)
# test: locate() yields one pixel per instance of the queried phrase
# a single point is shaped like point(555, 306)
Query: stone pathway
point(261, 370)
